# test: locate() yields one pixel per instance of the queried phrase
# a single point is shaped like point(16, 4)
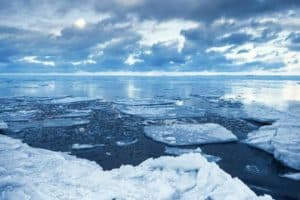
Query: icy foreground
point(280, 139)
point(188, 134)
point(31, 173)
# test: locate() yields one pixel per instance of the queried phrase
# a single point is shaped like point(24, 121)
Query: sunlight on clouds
point(80, 23)
point(35, 60)
point(153, 32)
point(132, 59)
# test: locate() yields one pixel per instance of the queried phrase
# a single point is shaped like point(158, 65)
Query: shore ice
point(32, 173)
point(189, 134)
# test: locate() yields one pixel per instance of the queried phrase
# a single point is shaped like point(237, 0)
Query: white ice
point(19, 115)
point(188, 134)
point(280, 139)
point(161, 111)
point(63, 122)
point(75, 113)
point(180, 151)
point(31, 173)
point(127, 142)
point(66, 100)
point(85, 146)
point(3, 125)
point(293, 176)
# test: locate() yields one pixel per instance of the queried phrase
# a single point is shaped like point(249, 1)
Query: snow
point(180, 151)
point(280, 139)
point(3, 125)
point(293, 176)
point(189, 134)
point(31, 173)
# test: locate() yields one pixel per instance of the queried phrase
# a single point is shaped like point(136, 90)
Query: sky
point(231, 36)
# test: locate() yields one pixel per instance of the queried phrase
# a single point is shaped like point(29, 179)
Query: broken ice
point(188, 134)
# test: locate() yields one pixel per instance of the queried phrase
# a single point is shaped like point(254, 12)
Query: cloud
point(114, 35)
point(35, 60)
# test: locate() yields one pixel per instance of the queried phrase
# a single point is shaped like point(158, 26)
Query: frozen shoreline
point(32, 173)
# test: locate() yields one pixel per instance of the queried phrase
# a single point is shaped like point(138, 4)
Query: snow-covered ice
point(281, 139)
point(31, 173)
point(188, 134)
point(180, 151)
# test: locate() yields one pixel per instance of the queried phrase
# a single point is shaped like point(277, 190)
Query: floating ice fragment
point(86, 146)
point(188, 134)
point(3, 125)
point(294, 176)
point(280, 139)
point(25, 174)
point(62, 122)
point(67, 100)
point(126, 142)
point(180, 151)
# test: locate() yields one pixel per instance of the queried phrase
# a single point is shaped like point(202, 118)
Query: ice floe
point(293, 176)
point(86, 146)
point(280, 139)
point(180, 151)
point(188, 134)
point(63, 122)
point(19, 115)
point(126, 142)
point(66, 100)
point(3, 125)
point(31, 173)
point(161, 111)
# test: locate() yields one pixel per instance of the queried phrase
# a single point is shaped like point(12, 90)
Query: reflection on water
point(277, 95)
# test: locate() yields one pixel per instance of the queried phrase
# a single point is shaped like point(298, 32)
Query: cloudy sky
point(150, 35)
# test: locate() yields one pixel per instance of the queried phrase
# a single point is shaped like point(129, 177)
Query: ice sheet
point(31, 173)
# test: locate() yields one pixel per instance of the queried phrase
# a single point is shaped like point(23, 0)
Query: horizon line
point(151, 73)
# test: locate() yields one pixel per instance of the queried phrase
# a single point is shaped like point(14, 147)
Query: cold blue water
point(103, 119)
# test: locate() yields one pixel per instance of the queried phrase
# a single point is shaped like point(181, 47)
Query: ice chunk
point(67, 100)
point(75, 113)
point(126, 142)
point(180, 151)
point(188, 134)
point(161, 111)
point(3, 125)
point(31, 173)
point(20, 115)
point(294, 176)
point(86, 146)
point(62, 122)
point(281, 139)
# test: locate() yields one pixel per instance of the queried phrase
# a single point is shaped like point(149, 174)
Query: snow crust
point(31, 173)
point(188, 134)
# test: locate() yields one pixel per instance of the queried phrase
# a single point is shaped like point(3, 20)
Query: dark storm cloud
point(45, 30)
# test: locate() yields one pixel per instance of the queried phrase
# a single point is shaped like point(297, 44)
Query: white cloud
point(35, 60)
point(132, 59)
point(153, 32)
point(84, 62)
